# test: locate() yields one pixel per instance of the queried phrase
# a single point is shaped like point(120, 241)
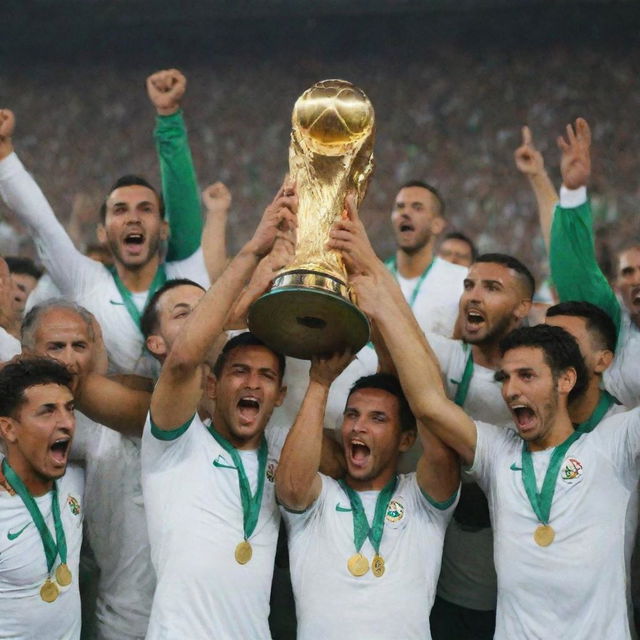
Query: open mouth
point(524, 416)
point(248, 407)
point(405, 226)
point(134, 239)
point(475, 318)
point(635, 295)
point(359, 452)
point(59, 450)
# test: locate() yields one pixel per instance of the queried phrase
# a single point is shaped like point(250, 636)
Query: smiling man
point(41, 525)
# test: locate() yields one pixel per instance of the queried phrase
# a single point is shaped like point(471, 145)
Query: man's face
point(530, 391)
point(133, 228)
point(24, 284)
point(64, 335)
point(174, 307)
point(628, 281)
point(39, 436)
point(491, 304)
point(415, 218)
point(245, 393)
point(456, 251)
point(371, 435)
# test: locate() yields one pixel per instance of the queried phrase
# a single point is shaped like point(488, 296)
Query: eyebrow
point(181, 305)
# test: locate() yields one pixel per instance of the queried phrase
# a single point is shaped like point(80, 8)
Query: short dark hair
point(560, 350)
point(130, 180)
point(26, 266)
point(428, 187)
point(525, 276)
point(20, 374)
point(457, 235)
point(598, 322)
point(149, 319)
point(246, 339)
point(389, 383)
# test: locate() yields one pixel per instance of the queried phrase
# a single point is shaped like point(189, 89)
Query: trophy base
point(307, 314)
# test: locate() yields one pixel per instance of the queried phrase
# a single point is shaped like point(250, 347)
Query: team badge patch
point(571, 470)
point(74, 505)
point(395, 510)
point(272, 465)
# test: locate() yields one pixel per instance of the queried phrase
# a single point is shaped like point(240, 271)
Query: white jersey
point(576, 586)
point(9, 346)
point(43, 291)
point(82, 279)
point(333, 604)
point(116, 528)
point(436, 303)
point(195, 519)
point(23, 565)
point(621, 379)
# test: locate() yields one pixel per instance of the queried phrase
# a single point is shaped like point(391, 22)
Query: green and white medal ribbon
point(605, 402)
point(463, 385)
point(158, 280)
point(357, 564)
point(541, 501)
point(392, 265)
point(52, 548)
point(250, 503)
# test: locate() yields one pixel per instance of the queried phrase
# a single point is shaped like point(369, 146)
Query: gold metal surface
point(310, 309)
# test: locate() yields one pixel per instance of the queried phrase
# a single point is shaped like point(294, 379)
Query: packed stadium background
point(451, 82)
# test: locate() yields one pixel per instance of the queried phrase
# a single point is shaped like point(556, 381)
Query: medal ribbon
point(158, 280)
point(463, 385)
point(392, 265)
point(361, 528)
point(541, 502)
point(604, 404)
point(51, 548)
point(250, 504)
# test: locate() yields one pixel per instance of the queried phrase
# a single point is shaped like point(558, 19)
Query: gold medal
point(243, 552)
point(63, 575)
point(49, 591)
point(377, 566)
point(544, 535)
point(358, 565)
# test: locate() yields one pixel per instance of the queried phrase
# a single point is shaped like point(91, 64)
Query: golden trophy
point(309, 309)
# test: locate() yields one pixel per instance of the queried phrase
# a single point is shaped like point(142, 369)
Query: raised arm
point(217, 200)
point(62, 260)
point(179, 182)
point(380, 298)
point(530, 162)
point(181, 374)
point(574, 267)
point(297, 481)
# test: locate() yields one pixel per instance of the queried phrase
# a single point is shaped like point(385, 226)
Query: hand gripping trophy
point(310, 309)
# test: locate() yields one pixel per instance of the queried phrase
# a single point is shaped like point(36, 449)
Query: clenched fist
point(165, 89)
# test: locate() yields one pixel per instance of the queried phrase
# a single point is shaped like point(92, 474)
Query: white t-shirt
point(23, 565)
point(9, 346)
point(333, 604)
point(436, 303)
point(576, 586)
point(195, 520)
point(116, 527)
point(621, 379)
point(82, 279)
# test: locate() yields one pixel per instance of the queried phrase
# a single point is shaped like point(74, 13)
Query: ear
point(211, 386)
point(281, 396)
point(437, 225)
point(101, 234)
point(603, 360)
point(522, 309)
point(407, 440)
point(567, 380)
point(156, 345)
point(8, 429)
point(164, 230)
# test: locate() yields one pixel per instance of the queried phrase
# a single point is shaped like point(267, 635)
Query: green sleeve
point(179, 186)
point(574, 268)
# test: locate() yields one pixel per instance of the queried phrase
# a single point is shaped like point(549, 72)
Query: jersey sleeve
point(296, 521)
point(162, 449)
point(489, 438)
point(192, 268)
point(574, 268)
point(71, 271)
point(619, 438)
point(179, 186)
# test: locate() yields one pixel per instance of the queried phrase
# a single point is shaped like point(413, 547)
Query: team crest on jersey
point(74, 505)
point(395, 510)
point(571, 470)
point(272, 465)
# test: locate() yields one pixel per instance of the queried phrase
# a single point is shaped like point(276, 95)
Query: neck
point(139, 278)
point(35, 484)
point(371, 484)
point(242, 444)
point(582, 407)
point(487, 354)
point(411, 265)
point(562, 428)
